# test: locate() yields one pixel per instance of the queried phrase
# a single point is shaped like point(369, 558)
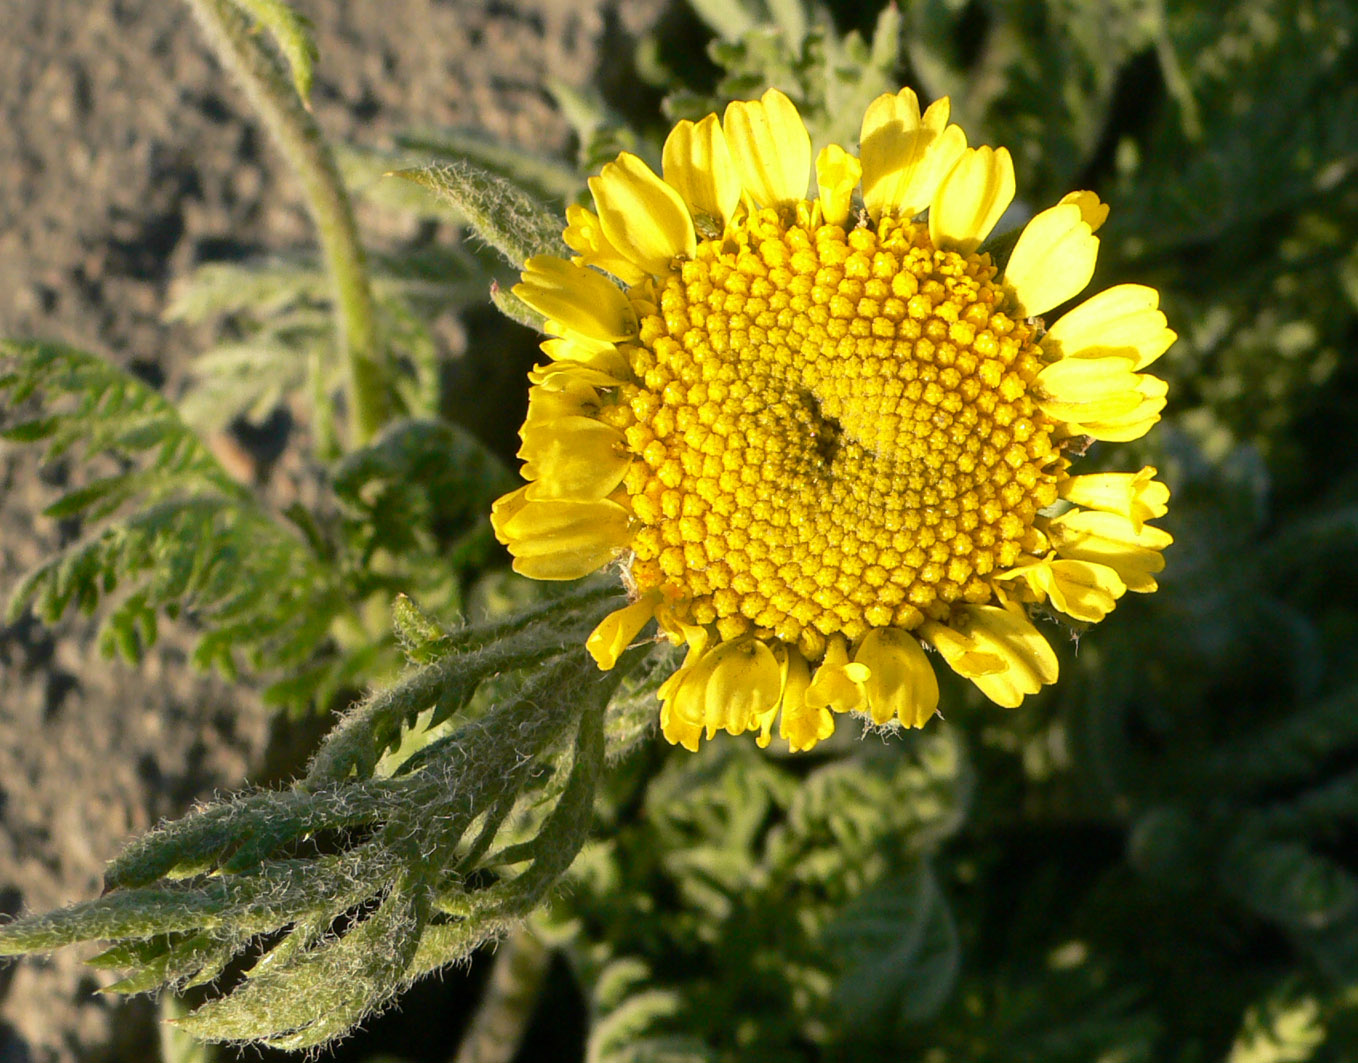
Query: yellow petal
point(800, 724)
point(697, 163)
point(642, 216)
point(1088, 389)
point(1008, 634)
point(1132, 551)
point(1084, 590)
point(729, 689)
point(838, 683)
point(746, 682)
point(572, 457)
point(890, 145)
point(837, 175)
point(1121, 320)
point(971, 198)
point(679, 631)
point(1092, 209)
point(585, 235)
point(559, 538)
point(505, 508)
point(681, 702)
point(1080, 589)
point(1053, 259)
point(566, 396)
point(1138, 496)
point(619, 628)
point(572, 365)
point(906, 155)
point(901, 683)
point(577, 298)
point(1135, 423)
point(771, 148)
point(960, 651)
point(696, 638)
point(896, 112)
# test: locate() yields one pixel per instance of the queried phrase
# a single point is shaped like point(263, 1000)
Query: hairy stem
point(271, 91)
point(498, 1026)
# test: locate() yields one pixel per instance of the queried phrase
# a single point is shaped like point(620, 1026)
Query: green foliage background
point(1155, 860)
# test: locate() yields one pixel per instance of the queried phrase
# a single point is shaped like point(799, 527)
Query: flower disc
point(835, 432)
point(821, 434)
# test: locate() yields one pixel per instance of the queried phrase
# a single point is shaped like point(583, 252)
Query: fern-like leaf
point(165, 529)
point(343, 890)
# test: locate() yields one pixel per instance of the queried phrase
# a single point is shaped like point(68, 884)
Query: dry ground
point(126, 158)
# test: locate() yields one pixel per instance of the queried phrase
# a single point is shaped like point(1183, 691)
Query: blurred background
point(1156, 860)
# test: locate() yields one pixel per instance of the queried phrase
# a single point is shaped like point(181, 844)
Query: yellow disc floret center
point(833, 431)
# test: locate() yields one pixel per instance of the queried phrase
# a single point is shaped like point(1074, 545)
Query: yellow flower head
point(820, 432)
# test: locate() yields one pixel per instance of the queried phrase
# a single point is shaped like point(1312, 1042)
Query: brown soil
point(126, 158)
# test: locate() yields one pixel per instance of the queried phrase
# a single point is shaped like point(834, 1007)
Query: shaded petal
point(559, 538)
point(971, 198)
point(905, 154)
point(728, 689)
point(1123, 320)
point(572, 457)
point(1081, 589)
point(1087, 389)
point(577, 299)
point(585, 235)
point(837, 175)
point(960, 651)
point(619, 628)
point(901, 683)
point(571, 365)
point(1138, 496)
point(801, 724)
point(746, 683)
point(1092, 209)
point(697, 163)
point(1132, 551)
point(642, 216)
point(681, 699)
point(890, 147)
point(771, 148)
point(1135, 423)
point(1028, 660)
point(1053, 259)
point(838, 683)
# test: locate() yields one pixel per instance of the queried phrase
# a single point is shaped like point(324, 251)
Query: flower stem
point(501, 1019)
point(297, 135)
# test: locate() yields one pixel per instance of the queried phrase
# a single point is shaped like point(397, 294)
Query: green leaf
point(421, 475)
point(543, 178)
point(292, 32)
point(897, 950)
point(730, 20)
point(499, 212)
point(37, 429)
point(172, 534)
point(1289, 882)
point(74, 503)
point(516, 309)
point(175, 1045)
point(406, 883)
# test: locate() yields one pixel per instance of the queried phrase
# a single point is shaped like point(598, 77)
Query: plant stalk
point(270, 90)
point(501, 1019)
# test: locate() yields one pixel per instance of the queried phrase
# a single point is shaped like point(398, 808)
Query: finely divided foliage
point(371, 870)
point(1150, 862)
point(165, 529)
